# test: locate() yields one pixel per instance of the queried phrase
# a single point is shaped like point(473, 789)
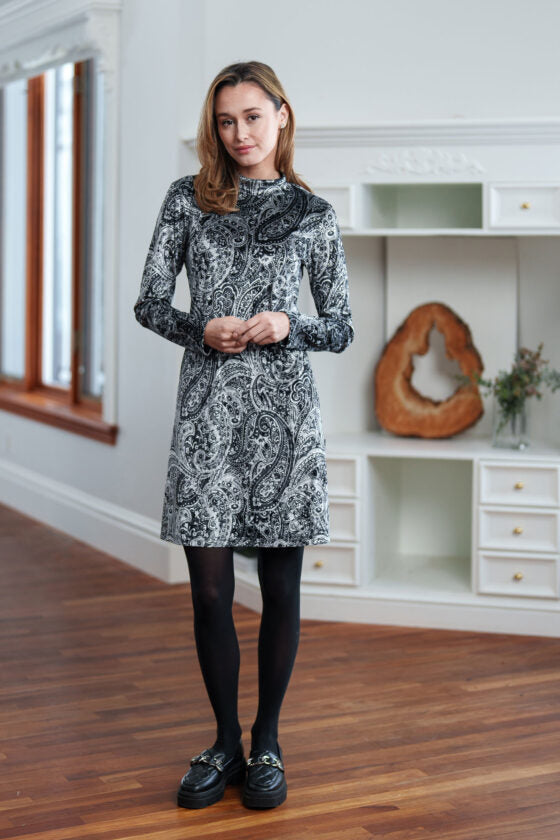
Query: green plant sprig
point(529, 374)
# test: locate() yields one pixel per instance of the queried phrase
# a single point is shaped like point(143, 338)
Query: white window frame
point(38, 34)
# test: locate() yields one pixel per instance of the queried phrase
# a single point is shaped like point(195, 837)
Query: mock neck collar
point(258, 186)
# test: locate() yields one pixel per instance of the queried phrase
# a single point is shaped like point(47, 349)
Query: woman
point(247, 460)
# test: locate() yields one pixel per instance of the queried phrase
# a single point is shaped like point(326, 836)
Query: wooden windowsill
point(39, 405)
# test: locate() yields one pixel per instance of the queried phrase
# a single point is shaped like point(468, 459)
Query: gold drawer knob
point(318, 564)
point(526, 205)
point(519, 485)
point(518, 576)
point(518, 530)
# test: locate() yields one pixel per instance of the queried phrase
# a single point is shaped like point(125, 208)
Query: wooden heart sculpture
point(399, 407)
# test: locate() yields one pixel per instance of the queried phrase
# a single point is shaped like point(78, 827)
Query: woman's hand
point(222, 334)
point(264, 328)
point(231, 334)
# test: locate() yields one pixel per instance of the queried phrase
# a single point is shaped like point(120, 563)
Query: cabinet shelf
point(446, 209)
point(421, 206)
point(420, 574)
point(420, 538)
point(461, 447)
point(432, 233)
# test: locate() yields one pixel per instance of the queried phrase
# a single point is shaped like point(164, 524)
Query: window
point(51, 291)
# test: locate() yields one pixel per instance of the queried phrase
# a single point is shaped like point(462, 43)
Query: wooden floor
point(387, 732)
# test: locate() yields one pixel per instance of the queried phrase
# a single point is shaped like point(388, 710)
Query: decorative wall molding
point(435, 133)
point(424, 161)
point(452, 132)
point(24, 20)
point(37, 34)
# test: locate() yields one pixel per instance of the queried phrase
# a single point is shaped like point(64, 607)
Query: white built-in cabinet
point(438, 533)
point(449, 208)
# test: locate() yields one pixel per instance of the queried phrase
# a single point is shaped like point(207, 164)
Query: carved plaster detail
point(31, 43)
point(56, 54)
point(425, 161)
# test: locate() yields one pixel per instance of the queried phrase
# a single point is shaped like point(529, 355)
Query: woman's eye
point(226, 123)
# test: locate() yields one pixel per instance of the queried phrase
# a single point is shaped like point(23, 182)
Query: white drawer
point(506, 574)
point(519, 484)
point(343, 519)
point(520, 530)
point(330, 564)
point(524, 206)
point(342, 476)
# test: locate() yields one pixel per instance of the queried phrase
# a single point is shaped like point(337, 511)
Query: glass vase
point(510, 431)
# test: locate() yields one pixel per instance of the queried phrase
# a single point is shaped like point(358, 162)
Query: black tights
point(212, 587)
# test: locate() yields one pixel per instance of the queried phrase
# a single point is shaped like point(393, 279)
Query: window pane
point(13, 228)
point(57, 226)
point(93, 374)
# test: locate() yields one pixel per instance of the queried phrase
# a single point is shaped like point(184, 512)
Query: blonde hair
point(217, 184)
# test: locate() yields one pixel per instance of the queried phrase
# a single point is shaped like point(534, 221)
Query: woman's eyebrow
point(225, 113)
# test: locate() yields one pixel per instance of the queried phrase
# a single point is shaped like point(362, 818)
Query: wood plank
point(387, 732)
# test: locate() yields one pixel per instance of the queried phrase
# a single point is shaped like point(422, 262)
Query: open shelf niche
point(420, 525)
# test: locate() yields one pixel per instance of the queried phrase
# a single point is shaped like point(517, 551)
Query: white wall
point(355, 62)
point(365, 61)
point(539, 268)
point(154, 80)
point(124, 483)
point(362, 61)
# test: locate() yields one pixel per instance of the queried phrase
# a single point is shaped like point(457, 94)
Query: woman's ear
point(284, 115)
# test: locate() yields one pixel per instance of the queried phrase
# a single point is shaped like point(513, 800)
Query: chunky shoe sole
point(201, 799)
point(265, 799)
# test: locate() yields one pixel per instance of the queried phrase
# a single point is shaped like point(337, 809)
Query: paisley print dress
point(247, 458)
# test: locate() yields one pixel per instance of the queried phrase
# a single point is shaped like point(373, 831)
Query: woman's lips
point(244, 149)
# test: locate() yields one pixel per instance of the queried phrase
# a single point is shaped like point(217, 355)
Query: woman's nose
point(242, 131)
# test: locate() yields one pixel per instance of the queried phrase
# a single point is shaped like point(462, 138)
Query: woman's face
point(248, 125)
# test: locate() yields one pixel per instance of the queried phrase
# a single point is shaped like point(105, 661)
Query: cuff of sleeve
point(192, 334)
point(205, 348)
point(291, 338)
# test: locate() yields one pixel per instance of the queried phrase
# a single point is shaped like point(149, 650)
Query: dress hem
point(316, 541)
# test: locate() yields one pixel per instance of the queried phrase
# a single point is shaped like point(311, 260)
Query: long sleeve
point(163, 263)
point(331, 329)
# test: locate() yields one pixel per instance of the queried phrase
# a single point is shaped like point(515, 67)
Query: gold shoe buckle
point(266, 760)
point(206, 758)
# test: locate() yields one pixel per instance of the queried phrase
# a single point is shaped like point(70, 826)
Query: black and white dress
point(247, 460)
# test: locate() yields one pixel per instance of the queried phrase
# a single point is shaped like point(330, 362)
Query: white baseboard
point(108, 527)
point(365, 609)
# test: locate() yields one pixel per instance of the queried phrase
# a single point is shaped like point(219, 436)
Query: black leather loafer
point(208, 776)
point(265, 785)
